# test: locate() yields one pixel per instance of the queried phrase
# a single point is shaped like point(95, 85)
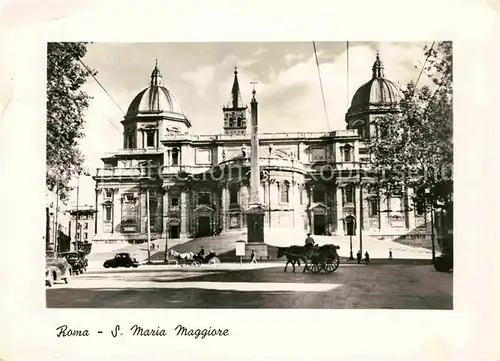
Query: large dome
point(378, 92)
point(156, 100)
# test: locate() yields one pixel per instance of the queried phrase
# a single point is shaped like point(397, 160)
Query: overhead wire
point(103, 88)
point(321, 86)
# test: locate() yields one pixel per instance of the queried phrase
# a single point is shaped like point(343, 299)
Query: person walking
point(358, 256)
point(390, 254)
point(253, 257)
point(367, 257)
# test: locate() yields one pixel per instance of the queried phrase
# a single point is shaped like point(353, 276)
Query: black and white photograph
point(249, 175)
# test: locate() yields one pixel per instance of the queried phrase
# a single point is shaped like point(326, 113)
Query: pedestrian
point(358, 256)
point(367, 257)
point(253, 257)
point(309, 241)
point(390, 254)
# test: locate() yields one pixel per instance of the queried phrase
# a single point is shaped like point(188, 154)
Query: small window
point(318, 195)
point(204, 198)
point(86, 225)
point(284, 193)
point(174, 202)
point(373, 207)
point(150, 139)
point(107, 213)
point(175, 157)
point(347, 153)
point(419, 207)
point(349, 195)
point(233, 195)
point(109, 193)
point(85, 235)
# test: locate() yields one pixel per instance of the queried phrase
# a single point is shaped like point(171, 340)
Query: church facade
point(199, 185)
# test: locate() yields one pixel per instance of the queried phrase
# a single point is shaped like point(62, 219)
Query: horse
point(293, 254)
point(187, 257)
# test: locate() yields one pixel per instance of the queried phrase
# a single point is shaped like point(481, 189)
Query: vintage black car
point(56, 269)
point(77, 262)
point(121, 260)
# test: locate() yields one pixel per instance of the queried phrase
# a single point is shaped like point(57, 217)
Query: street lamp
point(428, 192)
point(360, 208)
point(165, 257)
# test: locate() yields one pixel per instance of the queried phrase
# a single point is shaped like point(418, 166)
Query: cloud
point(293, 58)
point(202, 78)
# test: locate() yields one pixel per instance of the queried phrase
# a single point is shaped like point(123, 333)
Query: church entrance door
point(174, 232)
point(204, 226)
point(319, 224)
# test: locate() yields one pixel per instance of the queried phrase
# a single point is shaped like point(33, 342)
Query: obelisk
point(255, 214)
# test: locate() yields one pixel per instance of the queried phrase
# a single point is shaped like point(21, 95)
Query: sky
point(201, 74)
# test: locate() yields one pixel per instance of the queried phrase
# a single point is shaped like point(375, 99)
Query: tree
point(66, 104)
point(414, 148)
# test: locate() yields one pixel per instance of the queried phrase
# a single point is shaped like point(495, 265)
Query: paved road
point(257, 286)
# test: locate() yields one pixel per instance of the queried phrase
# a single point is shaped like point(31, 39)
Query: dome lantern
point(156, 77)
point(378, 68)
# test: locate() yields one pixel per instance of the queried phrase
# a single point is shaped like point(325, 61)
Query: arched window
point(284, 192)
point(175, 156)
point(108, 212)
point(373, 207)
point(231, 122)
point(361, 129)
point(347, 153)
point(238, 122)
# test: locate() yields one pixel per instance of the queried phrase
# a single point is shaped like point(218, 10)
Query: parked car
point(57, 269)
point(121, 260)
point(78, 264)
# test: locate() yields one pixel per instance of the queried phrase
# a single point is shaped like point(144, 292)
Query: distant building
point(198, 185)
point(82, 225)
point(56, 218)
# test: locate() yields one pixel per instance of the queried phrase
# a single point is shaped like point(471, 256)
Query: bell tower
point(235, 113)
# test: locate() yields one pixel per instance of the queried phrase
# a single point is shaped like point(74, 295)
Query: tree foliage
point(66, 105)
point(415, 147)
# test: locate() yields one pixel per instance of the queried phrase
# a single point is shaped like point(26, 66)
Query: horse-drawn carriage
point(315, 258)
point(192, 259)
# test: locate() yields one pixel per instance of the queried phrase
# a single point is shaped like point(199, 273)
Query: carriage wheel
point(195, 263)
point(313, 266)
point(331, 265)
point(214, 260)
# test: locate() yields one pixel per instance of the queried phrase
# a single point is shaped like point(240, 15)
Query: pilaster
point(184, 209)
point(165, 212)
point(340, 211)
point(225, 206)
point(117, 211)
point(357, 197)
